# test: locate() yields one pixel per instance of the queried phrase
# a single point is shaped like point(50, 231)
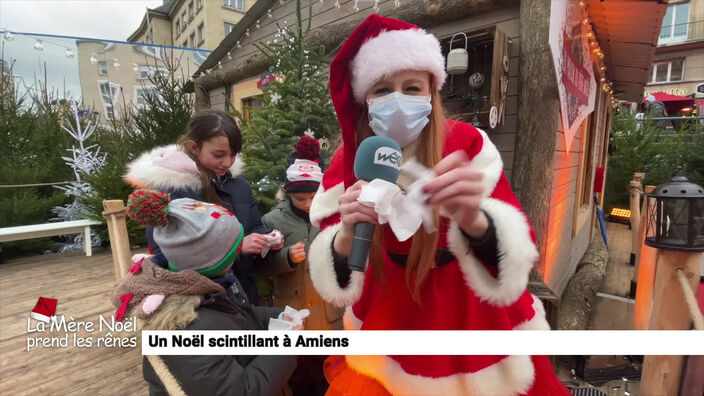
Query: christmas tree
point(296, 102)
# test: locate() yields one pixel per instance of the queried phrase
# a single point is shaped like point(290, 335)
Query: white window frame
point(230, 25)
point(199, 5)
point(100, 68)
point(138, 90)
point(109, 106)
point(200, 34)
point(672, 38)
point(184, 21)
point(237, 5)
point(669, 71)
point(178, 27)
point(144, 71)
point(191, 10)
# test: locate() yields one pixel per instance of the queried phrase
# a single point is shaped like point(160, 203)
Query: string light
point(582, 4)
point(246, 32)
point(337, 3)
point(229, 56)
point(269, 14)
point(135, 67)
point(356, 6)
point(38, 45)
point(376, 5)
point(585, 21)
point(239, 45)
point(397, 3)
point(220, 65)
point(259, 24)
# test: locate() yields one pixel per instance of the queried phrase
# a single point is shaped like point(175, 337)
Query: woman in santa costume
point(385, 80)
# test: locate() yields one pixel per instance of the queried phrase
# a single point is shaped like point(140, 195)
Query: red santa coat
point(462, 295)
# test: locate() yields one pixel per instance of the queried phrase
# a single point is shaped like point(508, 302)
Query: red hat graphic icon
point(44, 310)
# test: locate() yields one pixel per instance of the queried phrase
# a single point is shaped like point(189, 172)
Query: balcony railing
point(681, 33)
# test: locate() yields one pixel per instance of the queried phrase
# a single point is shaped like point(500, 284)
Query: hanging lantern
point(38, 46)
point(69, 53)
point(93, 59)
point(8, 36)
point(458, 58)
point(676, 218)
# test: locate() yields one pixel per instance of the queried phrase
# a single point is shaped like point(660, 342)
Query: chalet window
point(248, 104)
point(228, 28)
point(234, 4)
point(667, 71)
point(487, 49)
point(675, 24)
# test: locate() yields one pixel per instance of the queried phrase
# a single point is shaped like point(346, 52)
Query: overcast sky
point(107, 19)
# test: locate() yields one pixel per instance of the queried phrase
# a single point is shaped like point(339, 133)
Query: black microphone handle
point(362, 240)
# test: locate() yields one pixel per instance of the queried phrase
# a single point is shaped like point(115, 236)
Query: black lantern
point(676, 218)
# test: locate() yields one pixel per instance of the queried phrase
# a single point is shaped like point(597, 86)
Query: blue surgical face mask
point(399, 117)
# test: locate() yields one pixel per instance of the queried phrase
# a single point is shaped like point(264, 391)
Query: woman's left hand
point(458, 189)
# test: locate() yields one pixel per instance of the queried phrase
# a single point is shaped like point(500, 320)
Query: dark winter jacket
point(292, 283)
point(226, 375)
point(168, 169)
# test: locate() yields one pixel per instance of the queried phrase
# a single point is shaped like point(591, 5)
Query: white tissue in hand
point(272, 239)
point(415, 196)
point(388, 201)
point(296, 316)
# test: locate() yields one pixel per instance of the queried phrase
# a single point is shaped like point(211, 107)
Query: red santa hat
point(44, 310)
point(304, 173)
point(377, 48)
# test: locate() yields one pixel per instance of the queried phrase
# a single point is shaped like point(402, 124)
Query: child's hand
point(296, 327)
point(253, 243)
point(297, 253)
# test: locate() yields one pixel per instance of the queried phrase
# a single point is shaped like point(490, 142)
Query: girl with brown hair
point(205, 166)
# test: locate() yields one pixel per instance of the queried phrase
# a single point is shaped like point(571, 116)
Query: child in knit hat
point(291, 282)
point(198, 291)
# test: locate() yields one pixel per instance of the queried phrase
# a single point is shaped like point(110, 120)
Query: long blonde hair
point(420, 259)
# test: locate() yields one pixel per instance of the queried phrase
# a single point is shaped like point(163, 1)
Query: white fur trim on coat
point(512, 375)
point(325, 203)
point(147, 172)
point(322, 271)
point(393, 51)
point(488, 161)
point(518, 253)
point(538, 321)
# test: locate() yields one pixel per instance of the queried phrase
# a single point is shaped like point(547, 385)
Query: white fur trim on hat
point(488, 162)
point(322, 271)
point(511, 375)
point(393, 51)
point(517, 250)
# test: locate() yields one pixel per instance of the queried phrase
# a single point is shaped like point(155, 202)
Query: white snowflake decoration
point(275, 98)
point(83, 161)
point(309, 132)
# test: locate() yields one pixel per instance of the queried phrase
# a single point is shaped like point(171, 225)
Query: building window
point(141, 94)
point(199, 5)
point(178, 27)
point(109, 93)
point(193, 40)
point(201, 34)
point(228, 28)
point(185, 44)
point(103, 68)
point(148, 71)
point(248, 104)
point(667, 71)
point(191, 12)
point(675, 24)
point(234, 4)
point(184, 22)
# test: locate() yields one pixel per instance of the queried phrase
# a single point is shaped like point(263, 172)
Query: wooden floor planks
point(83, 286)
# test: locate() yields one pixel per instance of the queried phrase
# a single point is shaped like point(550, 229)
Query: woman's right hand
point(253, 243)
point(351, 213)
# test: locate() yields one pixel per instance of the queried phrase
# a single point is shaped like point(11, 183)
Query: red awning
point(673, 103)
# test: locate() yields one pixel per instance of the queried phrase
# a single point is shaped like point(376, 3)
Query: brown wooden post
point(119, 240)
point(646, 257)
point(662, 375)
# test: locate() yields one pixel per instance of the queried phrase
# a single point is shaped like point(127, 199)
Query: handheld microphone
point(378, 157)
